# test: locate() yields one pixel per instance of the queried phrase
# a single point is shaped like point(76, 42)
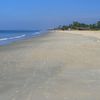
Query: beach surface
point(60, 65)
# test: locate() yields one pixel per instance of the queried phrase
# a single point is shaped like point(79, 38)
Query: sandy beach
point(60, 65)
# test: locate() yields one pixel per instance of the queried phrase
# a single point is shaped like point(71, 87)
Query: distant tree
point(75, 25)
point(59, 27)
point(80, 26)
point(93, 26)
point(84, 25)
point(64, 27)
point(98, 24)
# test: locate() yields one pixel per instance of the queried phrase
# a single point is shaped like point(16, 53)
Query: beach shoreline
point(59, 65)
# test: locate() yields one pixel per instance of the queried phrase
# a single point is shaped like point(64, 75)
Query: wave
point(36, 33)
point(11, 38)
point(7, 38)
point(3, 39)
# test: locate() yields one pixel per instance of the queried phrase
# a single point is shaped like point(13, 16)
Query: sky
point(43, 14)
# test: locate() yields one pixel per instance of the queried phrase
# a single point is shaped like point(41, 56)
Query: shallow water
point(9, 36)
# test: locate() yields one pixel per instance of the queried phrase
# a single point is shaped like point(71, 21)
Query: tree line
point(80, 26)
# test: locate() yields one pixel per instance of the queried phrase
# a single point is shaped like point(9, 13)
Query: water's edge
point(22, 35)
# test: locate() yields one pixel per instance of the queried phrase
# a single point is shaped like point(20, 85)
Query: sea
point(9, 36)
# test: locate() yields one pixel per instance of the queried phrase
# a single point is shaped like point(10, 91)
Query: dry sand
point(56, 66)
point(86, 33)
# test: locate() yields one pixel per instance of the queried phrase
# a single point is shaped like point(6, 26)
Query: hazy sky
point(41, 14)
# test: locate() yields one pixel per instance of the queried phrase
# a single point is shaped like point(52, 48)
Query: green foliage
point(80, 26)
point(98, 24)
point(64, 27)
point(93, 26)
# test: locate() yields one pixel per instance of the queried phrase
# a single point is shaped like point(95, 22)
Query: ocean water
point(9, 36)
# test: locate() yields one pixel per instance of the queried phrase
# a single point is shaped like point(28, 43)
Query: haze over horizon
point(42, 14)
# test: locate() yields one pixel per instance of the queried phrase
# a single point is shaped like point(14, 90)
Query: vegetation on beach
point(80, 26)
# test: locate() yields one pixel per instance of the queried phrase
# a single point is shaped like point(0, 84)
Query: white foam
point(36, 33)
point(17, 37)
point(3, 39)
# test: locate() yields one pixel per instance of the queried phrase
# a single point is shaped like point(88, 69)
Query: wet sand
point(56, 66)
